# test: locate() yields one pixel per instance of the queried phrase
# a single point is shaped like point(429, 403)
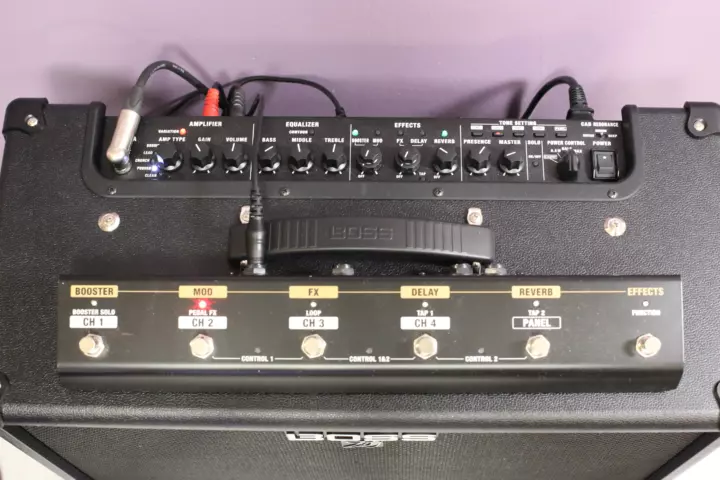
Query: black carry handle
point(400, 236)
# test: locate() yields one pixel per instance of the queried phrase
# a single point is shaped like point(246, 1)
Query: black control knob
point(301, 158)
point(334, 159)
point(446, 160)
point(168, 156)
point(369, 159)
point(235, 158)
point(568, 165)
point(511, 161)
point(477, 160)
point(269, 158)
point(408, 159)
point(202, 157)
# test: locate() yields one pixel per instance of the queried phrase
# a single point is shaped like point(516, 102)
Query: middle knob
point(408, 159)
point(301, 158)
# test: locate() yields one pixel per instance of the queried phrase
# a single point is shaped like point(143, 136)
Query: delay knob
point(369, 159)
point(446, 160)
point(202, 157)
point(269, 158)
point(408, 159)
point(168, 156)
point(477, 161)
point(511, 162)
point(568, 165)
point(235, 158)
point(334, 159)
point(301, 158)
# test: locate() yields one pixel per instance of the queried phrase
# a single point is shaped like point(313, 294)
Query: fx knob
point(408, 160)
point(235, 158)
point(168, 156)
point(446, 160)
point(268, 158)
point(568, 165)
point(202, 157)
point(511, 161)
point(334, 159)
point(301, 158)
point(477, 161)
point(369, 159)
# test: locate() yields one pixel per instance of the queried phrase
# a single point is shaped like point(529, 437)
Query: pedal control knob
point(446, 160)
point(334, 159)
point(477, 160)
point(511, 162)
point(235, 158)
point(202, 157)
point(268, 158)
point(369, 159)
point(168, 156)
point(408, 159)
point(300, 158)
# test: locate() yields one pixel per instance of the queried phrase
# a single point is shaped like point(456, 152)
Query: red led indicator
point(202, 304)
point(183, 132)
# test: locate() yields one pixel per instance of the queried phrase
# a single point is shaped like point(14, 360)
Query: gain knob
point(235, 158)
point(477, 161)
point(269, 158)
point(408, 160)
point(168, 156)
point(300, 158)
point(334, 159)
point(202, 157)
point(446, 160)
point(511, 161)
point(369, 159)
point(568, 165)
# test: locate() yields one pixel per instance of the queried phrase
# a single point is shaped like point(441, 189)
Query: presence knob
point(168, 156)
point(334, 159)
point(446, 160)
point(408, 159)
point(369, 159)
point(301, 158)
point(568, 165)
point(269, 158)
point(477, 161)
point(202, 157)
point(235, 158)
point(511, 161)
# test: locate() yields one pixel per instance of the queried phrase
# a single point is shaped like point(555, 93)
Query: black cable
point(579, 108)
point(255, 235)
point(223, 103)
point(237, 102)
point(253, 106)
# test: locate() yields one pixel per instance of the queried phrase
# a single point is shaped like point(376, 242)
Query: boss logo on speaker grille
point(359, 437)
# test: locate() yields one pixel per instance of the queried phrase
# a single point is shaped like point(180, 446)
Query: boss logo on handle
point(339, 232)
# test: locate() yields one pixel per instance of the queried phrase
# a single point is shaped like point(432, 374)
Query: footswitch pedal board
point(381, 158)
point(348, 334)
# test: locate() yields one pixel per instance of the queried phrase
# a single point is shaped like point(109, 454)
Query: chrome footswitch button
point(425, 346)
point(538, 346)
point(92, 345)
point(313, 346)
point(202, 346)
point(648, 345)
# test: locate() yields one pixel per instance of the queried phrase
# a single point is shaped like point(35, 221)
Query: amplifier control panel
point(362, 334)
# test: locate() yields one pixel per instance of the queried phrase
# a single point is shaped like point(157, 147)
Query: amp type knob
point(168, 156)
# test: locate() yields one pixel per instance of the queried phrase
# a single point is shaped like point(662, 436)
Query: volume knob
point(511, 162)
point(202, 157)
point(369, 159)
point(408, 159)
point(235, 158)
point(301, 158)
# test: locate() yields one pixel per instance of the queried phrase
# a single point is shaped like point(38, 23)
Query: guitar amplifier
point(132, 349)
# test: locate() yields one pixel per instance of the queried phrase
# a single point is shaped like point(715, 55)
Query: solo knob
point(408, 159)
point(301, 158)
point(334, 159)
point(268, 158)
point(477, 160)
point(446, 160)
point(369, 159)
point(168, 156)
point(202, 157)
point(235, 158)
point(568, 165)
point(511, 161)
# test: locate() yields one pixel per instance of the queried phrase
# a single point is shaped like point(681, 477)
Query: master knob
point(568, 165)
point(408, 160)
point(369, 159)
point(511, 161)
point(301, 158)
point(202, 157)
point(477, 161)
point(334, 159)
point(235, 158)
point(269, 158)
point(446, 160)
point(168, 156)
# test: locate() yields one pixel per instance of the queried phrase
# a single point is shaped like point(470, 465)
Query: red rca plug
point(212, 103)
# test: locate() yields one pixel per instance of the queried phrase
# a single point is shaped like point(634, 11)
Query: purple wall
point(455, 57)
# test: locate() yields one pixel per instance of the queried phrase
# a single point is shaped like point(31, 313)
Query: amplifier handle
point(442, 240)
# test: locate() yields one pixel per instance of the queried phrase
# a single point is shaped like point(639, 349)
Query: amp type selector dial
point(477, 160)
point(168, 156)
point(202, 157)
point(511, 161)
point(268, 158)
point(408, 160)
point(369, 159)
point(300, 158)
point(334, 158)
point(446, 160)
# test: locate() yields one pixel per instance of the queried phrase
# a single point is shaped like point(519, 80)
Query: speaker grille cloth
point(109, 454)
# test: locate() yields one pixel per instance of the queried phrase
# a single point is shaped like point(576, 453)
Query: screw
point(245, 214)
point(284, 192)
point(202, 346)
point(700, 124)
point(438, 192)
point(109, 222)
point(111, 190)
point(538, 346)
point(495, 269)
point(31, 121)
point(615, 226)
point(647, 345)
point(92, 345)
point(343, 270)
point(463, 269)
point(313, 346)
point(612, 194)
point(425, 346)
point(475, 216)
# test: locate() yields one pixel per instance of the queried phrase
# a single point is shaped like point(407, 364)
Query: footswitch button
point(313, 346)
point(202, 346)
point(604, 165)
point(425, 346)
point(538, 346)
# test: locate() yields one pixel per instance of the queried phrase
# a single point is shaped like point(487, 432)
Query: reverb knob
point(446, 160)
point(202, 157)
point(300, 158)
point(168, 156)
point(235, 158)
point(408, 159)
point(369, 159)
point(334, 159)
point(477, 160)
point(511, 161)
point(268, 158)
point(568, 165)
